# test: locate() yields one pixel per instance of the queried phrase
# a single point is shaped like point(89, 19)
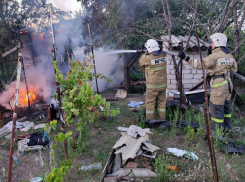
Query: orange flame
point(23, 97)
point(41, 35)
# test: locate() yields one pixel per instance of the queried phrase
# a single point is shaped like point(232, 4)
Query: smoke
point(112, 67)
point(41, 77)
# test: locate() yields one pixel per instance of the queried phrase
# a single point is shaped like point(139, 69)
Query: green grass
point(103, 135)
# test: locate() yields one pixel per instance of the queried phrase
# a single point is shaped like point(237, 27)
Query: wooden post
point(58, 85)
point(207, 119)
point(14, 117)
point(180, 83)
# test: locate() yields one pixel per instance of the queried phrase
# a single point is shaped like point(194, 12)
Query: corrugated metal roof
point(176, 42)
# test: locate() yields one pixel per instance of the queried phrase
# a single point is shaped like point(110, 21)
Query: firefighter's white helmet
point(219, 39)
point(152, 45)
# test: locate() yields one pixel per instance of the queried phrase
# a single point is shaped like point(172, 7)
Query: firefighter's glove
point(143, 48)
point(208, 79)
point(183, 56)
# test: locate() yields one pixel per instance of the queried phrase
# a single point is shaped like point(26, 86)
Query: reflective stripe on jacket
point(155, 70)
point(216, 64)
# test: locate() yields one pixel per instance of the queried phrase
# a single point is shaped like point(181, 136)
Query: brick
point(187, 86)
point(198, 76)
point(199, 71)
point(194, 71)
point(173, 81)
point(187, 67)
point(172, 72)
point(186, 71)
point(172, 87)
point(195, 81)
point(169, 81)
point(186, 81)
point(188, 76)
point(171, 76)
point(171, 67)
point(169, 61)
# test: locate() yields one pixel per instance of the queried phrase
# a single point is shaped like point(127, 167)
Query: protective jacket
point(155, 71)
point(156, 84)
point(218, 65)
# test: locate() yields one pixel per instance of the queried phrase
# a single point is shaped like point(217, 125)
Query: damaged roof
point(176, 42)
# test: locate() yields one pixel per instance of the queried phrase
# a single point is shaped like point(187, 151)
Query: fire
point(41, 35)
point(23, 97)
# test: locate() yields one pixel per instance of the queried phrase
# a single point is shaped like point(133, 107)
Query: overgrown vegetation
point(80, 107)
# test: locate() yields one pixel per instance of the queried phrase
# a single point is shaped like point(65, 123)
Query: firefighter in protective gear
point(155, 64)
point(218, 65)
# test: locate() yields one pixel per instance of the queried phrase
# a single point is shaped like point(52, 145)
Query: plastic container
point(95, 166)
point(36, 179)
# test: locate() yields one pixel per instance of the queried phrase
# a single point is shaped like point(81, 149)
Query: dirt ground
point(103, 135)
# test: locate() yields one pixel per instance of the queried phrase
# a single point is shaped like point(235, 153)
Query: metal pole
point(180, 83)
point(207, 119)
point(58, 84)
point(16, 103)
point(92, 49)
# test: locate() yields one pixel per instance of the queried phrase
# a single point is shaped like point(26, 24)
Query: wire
point(9, 80)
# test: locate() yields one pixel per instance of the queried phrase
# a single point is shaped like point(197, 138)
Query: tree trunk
point(4, 78)
point(236, 31)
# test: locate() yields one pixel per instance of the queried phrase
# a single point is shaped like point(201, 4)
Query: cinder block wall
point(190, 76)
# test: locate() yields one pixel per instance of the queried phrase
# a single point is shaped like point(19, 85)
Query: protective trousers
point(219, 106)
point(152, 97)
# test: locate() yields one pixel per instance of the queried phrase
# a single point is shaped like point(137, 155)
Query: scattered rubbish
point(39, 126)
point(163, 124)
point(133, 144)
point(15, 159)
point(23, 136)
point(27, 125)
point(137, 172)
point(118, 178)
point(39, 159)
point(172, 168)
point(232, 148)
point(134, 104)
point(182, 153)
point(131, 165)
point(3, 143)
point(38, 139)
point(23, 126)
point(95, 166)
point(175, 104)
point(2, 172)
point(23, 146)
point(121, 93)
point(36, 179)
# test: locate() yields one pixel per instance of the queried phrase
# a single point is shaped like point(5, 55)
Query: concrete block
point(187, 86)
point(172, 87)
point(194, 71)
point(186, 71)
point(171, 67)
point(186, 81)
point(199, 71)
point(195, 81)
point(173, 81)
point(186, 76)
point(198, 76)
point(171, 76)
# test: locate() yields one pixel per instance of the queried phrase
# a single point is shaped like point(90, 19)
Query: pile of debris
point(133, 145)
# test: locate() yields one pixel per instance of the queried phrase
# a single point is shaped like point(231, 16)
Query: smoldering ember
point(122, 90)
